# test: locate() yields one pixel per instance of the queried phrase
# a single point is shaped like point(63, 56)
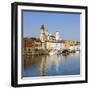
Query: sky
point(67, 24)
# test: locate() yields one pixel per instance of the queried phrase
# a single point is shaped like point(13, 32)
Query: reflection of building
point(43, 66)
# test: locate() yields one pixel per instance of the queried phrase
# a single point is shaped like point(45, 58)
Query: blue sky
point(66, 23)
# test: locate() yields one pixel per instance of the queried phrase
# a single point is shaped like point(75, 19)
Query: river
point(36, 66)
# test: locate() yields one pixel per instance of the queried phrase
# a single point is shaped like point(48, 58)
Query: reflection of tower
point(43, 36)
point(43, 66)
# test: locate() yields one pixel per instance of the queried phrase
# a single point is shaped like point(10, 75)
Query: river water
point(35, 66)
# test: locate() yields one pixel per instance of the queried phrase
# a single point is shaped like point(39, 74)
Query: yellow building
point(70, 43)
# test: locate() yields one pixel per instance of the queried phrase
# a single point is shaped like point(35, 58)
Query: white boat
point(77, 51)
point(53, 52)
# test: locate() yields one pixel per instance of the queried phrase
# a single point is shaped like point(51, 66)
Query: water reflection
point(43, 66)
point(35, 66)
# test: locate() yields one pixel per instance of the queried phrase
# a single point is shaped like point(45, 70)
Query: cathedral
point(50, 41)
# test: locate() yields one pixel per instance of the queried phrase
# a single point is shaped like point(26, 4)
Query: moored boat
point(77, 51)
point(53, 52)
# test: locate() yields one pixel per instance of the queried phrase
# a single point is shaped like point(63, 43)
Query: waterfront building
point(51, 37)
point(56, 45)
point(51, 41)
point(57, 36)
point(28, 44)
point(47, 42)
point(72, 45)
point(31, 45)
point(43, 36)
point(75, 47)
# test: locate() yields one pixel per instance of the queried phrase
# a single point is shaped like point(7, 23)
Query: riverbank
point(49, 52)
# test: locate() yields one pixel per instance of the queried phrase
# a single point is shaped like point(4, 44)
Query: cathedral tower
point(43, 36)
